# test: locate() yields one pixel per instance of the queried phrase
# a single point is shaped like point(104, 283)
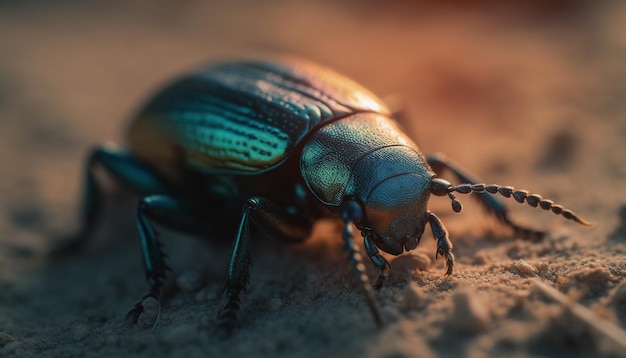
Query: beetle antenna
point(520, 196)
point(441, 187)
point(456, 205)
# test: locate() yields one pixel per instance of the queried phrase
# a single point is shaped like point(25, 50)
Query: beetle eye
point(439, 187)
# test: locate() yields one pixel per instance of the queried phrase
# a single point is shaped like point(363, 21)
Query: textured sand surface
point(531, 96)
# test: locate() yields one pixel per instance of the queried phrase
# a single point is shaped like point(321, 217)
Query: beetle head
point(395, 212)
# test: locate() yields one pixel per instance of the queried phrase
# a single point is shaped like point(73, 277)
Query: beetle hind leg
point(439, 162)
point(126, 170)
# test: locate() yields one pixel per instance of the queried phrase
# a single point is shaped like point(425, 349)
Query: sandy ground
point(532, 96)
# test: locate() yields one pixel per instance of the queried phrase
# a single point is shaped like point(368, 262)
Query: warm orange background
point(531, 94)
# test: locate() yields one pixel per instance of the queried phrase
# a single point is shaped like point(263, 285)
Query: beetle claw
point(449, 260)
point(449, 263)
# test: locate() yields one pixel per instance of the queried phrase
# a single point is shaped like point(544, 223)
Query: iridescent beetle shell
point(244, 117)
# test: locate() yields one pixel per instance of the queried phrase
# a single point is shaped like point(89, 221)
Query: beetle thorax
point(365, 156)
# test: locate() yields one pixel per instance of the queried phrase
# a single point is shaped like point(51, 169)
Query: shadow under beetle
point(293, 143)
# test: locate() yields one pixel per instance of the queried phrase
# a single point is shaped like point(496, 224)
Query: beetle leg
point(439, 162)
point(127, 170)
point(444, 246)
point(270, 219)
point(378, 260)
point(351, 212)
point(162, 209)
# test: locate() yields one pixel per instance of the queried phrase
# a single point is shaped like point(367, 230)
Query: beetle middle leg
point(439, 162)
point(271, 221)
point(170, 212)
point(160, 204)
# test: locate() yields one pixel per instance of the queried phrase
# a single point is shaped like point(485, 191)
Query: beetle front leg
point(439, 162)
point(272, 221)
point(352, 212)
point(378, 260)
point(444, 246)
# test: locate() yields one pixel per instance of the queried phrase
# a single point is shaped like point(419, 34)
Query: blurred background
point(526, 93)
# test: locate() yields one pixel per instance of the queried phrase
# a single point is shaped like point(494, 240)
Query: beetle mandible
point(293, 143)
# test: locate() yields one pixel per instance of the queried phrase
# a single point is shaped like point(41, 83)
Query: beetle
point(292, 142)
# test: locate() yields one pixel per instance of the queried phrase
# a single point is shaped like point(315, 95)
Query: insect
point(271, 146)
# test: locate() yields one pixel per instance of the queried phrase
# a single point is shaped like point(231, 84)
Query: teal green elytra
point(245, 117)
point(270, 146)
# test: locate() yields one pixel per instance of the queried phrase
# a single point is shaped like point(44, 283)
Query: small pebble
point(619, 296)
point(413, 295)
point(471, 313)
point(418, 261)
point(189, 281)
point(151, 310)
point(522, 267)
point(422, 261)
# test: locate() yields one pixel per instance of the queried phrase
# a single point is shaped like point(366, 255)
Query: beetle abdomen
point(357, 153)
point(244, 117)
